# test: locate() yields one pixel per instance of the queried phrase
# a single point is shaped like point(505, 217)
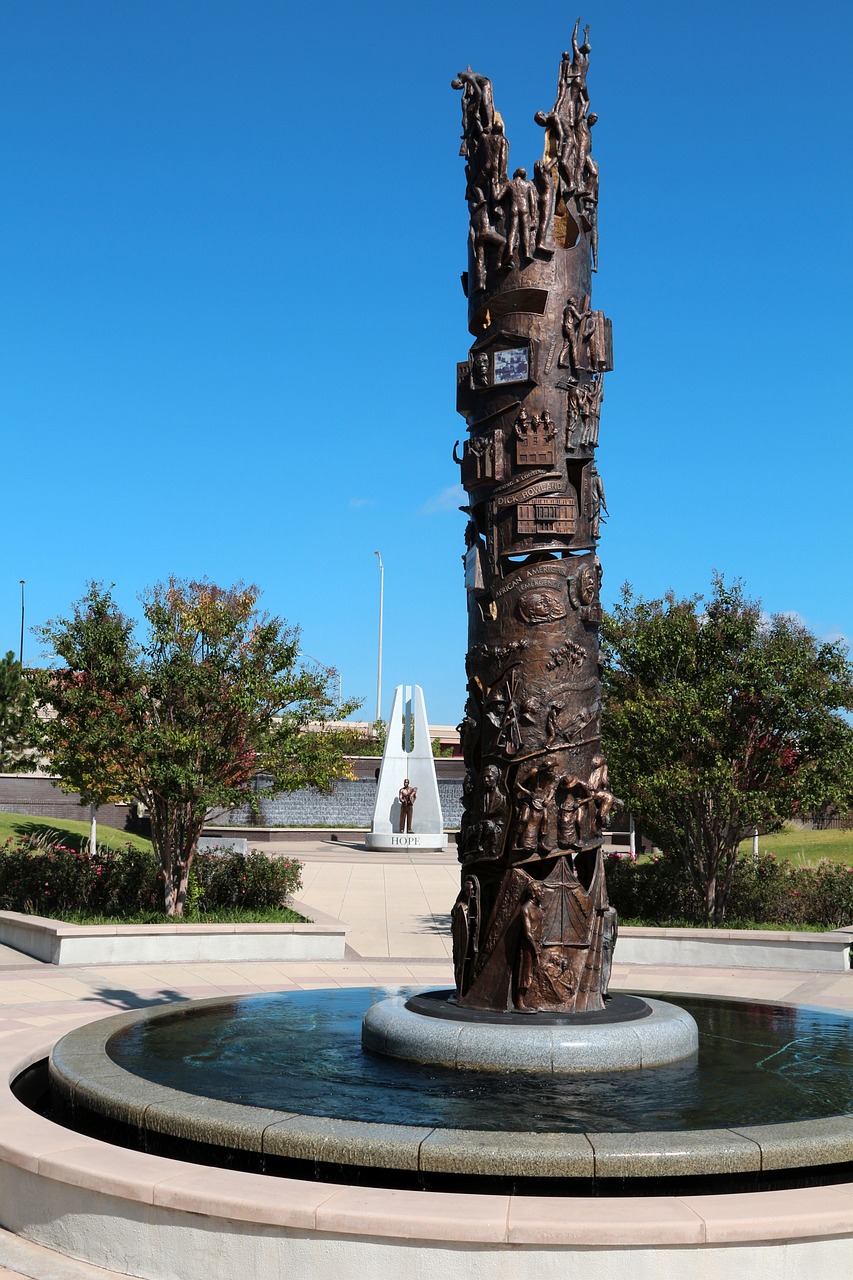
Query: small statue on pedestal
point(407, 796)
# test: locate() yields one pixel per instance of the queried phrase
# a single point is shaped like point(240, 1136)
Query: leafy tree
point(718, 720)
point(369, 740)
point(362, 740)
point(187, 719)
point(18, 728)
point(85, 721)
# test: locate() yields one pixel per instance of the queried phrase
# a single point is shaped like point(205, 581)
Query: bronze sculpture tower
point(532, 929)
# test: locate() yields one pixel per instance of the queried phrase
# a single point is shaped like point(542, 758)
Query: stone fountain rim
point(85, 1075)
point(46, 1171)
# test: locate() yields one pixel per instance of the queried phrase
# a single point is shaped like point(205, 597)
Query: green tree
point(362, 740)
point(718, 720)
point(18, 725)
point(85, 720)
point(187, 719)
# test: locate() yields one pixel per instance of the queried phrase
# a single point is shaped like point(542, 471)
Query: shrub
point(56, 880)
point(766, 890)
point(252, 880)
point(828, 894)
point(45, 879)
point(655, 892)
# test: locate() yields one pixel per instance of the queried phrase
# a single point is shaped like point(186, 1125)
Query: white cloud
point(447, 500)
point(828, 636)
point(361, 502)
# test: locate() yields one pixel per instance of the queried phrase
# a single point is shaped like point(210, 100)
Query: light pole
point(379, 664)
point(21, 650)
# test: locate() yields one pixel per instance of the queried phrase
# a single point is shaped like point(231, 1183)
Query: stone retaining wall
point(321, 937)
point(42, 797)
point(349, 804)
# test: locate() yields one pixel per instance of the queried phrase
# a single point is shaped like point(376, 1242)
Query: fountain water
point(284, 1081)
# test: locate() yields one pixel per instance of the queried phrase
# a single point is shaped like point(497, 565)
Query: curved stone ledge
point(87, 1077)
point(55, 1158)
point(98, 1203)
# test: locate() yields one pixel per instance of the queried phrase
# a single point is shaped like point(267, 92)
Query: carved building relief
point(535, 440)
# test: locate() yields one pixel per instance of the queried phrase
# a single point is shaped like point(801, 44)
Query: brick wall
point(350, 804)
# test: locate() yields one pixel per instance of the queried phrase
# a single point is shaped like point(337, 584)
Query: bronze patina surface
point(532, 928)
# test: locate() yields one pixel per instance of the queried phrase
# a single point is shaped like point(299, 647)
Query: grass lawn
point(64, 831)
point(224, 915)
point(806, 848)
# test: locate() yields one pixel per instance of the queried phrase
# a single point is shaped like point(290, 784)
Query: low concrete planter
point(736, 948)
point(54, 942)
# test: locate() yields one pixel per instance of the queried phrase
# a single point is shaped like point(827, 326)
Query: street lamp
point(379, 664)
point(329, 671)
point(21, 651)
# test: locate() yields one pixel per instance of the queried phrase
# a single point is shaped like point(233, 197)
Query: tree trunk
point(175, 880)
point(174, 833)
point(181, 872)
point(93, 830)
point(729, 861)
point(169, 888)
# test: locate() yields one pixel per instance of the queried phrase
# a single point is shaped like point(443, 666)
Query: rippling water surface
point(301, 1051)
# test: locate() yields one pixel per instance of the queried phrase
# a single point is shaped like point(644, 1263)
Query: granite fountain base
point(630, 1033)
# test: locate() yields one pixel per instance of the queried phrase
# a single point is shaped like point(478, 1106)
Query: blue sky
point(231, 238)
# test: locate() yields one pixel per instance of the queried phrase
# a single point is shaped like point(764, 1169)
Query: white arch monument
point(398, 763)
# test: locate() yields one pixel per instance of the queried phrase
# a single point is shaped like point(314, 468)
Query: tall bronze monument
point(532, 929)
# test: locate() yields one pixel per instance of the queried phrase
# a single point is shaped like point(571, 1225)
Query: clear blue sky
point(231, 238)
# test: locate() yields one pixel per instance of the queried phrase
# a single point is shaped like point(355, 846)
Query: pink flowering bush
point(831, 894)
point(253, 880)
point(41, 878)
point(55, 879)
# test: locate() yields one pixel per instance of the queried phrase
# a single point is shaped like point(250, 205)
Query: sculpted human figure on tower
point(536, 792)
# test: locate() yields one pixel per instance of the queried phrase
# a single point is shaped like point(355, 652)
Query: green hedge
point(766, 890)
point(56, 880)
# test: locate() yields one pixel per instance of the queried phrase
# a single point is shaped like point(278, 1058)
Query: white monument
point(400, 764)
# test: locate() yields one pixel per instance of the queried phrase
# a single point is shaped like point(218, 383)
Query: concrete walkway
point(398, 907)
point(396, 904)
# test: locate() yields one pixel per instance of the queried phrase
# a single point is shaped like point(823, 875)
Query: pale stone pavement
point(398, 907)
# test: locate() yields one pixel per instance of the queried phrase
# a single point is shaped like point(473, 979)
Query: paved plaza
point(398, 908)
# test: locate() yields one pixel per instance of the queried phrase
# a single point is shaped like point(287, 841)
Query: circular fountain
point(282, 1084)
